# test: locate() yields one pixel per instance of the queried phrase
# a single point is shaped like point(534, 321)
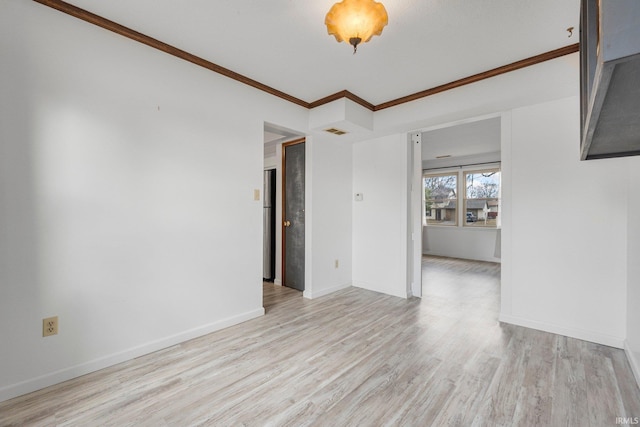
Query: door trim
point(284, 201)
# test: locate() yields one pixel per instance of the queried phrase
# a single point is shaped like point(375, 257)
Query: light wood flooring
point(357, 358)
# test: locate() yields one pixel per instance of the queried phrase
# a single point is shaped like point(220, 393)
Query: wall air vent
point(335, 131)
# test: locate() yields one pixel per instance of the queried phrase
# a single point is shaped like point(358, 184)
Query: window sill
point(458, 227)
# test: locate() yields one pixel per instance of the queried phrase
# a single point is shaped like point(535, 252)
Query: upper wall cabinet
point(610, 78)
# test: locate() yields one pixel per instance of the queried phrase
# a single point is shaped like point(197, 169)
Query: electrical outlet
point(50, 326)
point(337, 264)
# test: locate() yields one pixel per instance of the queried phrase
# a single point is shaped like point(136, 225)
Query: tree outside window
point(482, 198)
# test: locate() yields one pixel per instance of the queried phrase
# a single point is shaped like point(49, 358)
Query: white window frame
point(465, 199)
point(461, 194)
point(457, 199)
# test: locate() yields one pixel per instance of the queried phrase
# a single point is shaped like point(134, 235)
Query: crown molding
point(112, 26)
point(342, 94)
point(533, 60)
point(98, 20)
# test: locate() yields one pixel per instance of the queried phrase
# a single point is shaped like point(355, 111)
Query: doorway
point(293, 214)
point(461, 169)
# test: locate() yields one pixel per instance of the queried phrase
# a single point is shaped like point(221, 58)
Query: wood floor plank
point(357, 357)
point(603, 394)
point(570, 384)
point(537, 385)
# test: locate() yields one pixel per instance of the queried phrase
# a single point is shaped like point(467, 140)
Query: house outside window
point(441, 199)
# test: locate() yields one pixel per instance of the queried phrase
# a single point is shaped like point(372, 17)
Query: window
point(441, 199)
point(482, 198)
point(480, 202)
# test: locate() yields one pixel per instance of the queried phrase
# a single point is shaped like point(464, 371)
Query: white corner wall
point(380, 219)
point(567, 232)
point(126, 197)
point(330, 220)
point(632, 346)
point(461, 242)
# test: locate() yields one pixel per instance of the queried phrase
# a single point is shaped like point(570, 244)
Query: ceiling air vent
point(335, 131)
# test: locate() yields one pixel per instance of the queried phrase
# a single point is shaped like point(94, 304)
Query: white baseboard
point(277, 282)
point(28, 386)
point(580, 334)
point(634, 361)
point(310, 294)
point(457, 256)
point(378, 288)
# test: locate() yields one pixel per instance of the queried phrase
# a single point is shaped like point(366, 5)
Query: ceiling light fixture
point(356, 21)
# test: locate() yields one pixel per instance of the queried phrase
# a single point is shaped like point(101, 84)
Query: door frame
point(415, 212)
point(283, 210)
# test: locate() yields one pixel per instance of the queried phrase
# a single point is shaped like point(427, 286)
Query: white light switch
point(256, 195)
point(359, 197)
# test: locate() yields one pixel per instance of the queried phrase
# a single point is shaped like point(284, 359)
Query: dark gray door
point(293, 219)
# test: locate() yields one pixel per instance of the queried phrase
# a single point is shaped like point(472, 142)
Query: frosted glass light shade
point(356, 21)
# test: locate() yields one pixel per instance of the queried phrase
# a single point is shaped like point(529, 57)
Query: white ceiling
point(284, 43)
point(475, 142)
point(463, 140)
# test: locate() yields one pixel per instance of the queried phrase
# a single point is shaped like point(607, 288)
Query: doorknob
point(287, 223)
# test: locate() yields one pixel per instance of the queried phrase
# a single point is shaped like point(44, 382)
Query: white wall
point(380, 220)
point(633, 270)
point(461, 242)
point(126, 197)
point(568, 261)
point(330, 220)
point(542, 82)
